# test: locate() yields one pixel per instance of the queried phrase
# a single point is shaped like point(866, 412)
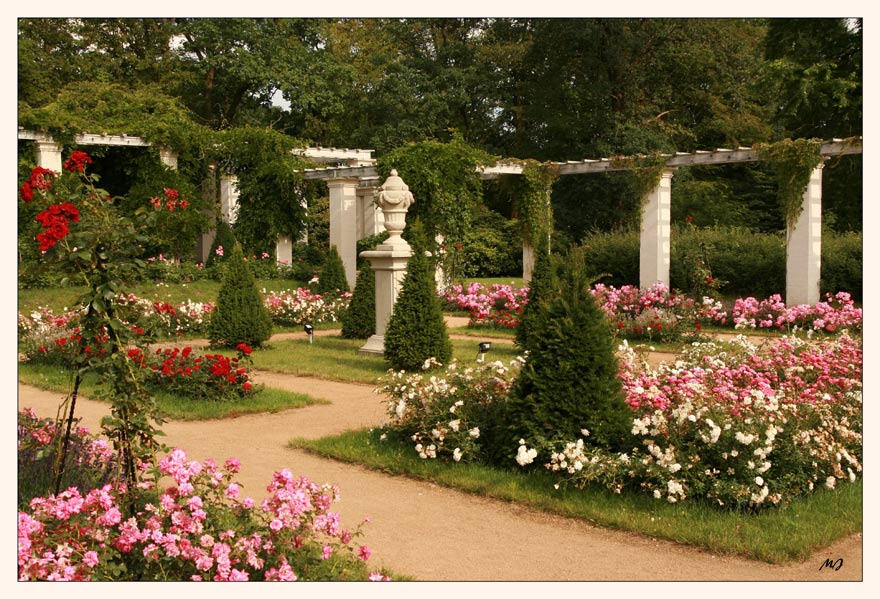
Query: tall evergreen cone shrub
point(569, 381)
point(332, 280)
point(240, 316)
point(416, 330)
point(359, 321)
point(223, 237)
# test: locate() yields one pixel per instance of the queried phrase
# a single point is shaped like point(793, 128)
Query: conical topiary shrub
point(416, 330)
point(331, 280)
point(570, 379)
point(239, 316)
point(359, 320)
point(224, 240)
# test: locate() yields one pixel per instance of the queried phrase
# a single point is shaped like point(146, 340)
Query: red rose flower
point(41, 178)
point(244, 348)
point(27, 193)
point(77, 161)
point(171, 194)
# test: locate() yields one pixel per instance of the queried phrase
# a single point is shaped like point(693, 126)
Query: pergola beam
point(834, 147)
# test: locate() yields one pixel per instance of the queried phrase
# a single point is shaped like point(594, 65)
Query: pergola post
point(343, 223)
point(229, 198)
point(284, 250)
point(654, 238)
point(803, 250)
point(528, 257)
point(48, 154)
point(369, 218)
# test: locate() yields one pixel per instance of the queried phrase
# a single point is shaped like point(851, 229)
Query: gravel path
point(437, 534)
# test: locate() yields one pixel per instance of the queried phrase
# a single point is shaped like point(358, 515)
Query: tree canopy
point(530, 88)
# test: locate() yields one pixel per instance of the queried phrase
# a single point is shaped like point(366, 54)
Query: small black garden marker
point(310, 331)
point(484, 348)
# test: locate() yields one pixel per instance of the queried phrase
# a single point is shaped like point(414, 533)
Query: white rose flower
point(456, 454)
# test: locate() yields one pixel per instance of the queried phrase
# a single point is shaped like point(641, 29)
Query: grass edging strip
point(268, 400)
point(774, 536)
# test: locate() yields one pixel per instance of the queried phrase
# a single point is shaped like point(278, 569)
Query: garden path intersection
point(437, 534)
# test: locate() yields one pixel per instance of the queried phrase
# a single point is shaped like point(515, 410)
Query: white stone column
point(228, 198)
point(343, 223)
point(284, 250)
point(803, 252)
point(209, 194)
point(528, 255)
point(389, 259)
point(48, 154)
point(369, 216)
point(654, 239)
point(168, 157)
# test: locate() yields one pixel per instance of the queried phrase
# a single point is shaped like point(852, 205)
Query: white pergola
point(348, 185)
point(353, 177)
point(48, 155)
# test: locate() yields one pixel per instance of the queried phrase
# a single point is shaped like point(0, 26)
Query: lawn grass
point(57, 298)
point(58, 379)
point(331, 357)
point(791, 533)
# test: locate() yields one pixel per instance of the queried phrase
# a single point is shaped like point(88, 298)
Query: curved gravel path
point(436, 534)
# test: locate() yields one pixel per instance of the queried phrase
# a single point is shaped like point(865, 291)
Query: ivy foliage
point(269, 184)
point(115, 109)
point(793, 161)
point(645, 172)
point(444, 181)
point(533, 200)
point(262, 159)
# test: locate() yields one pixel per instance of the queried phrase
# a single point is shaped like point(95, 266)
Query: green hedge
point(749, 263)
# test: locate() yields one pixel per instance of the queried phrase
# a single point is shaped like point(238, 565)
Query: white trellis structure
point(48, 155)
point(804, 238)
point(353, 178)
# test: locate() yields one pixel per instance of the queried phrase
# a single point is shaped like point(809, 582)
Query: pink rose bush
point(91, 461)
point(199, 528)
point(654, 314)
point(659, 314)
point(835, 314)
point(499, 305)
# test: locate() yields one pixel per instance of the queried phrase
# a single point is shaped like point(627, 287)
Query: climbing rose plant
point(81, 233)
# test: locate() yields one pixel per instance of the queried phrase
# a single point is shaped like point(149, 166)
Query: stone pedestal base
point(374, 346)
point(389, 265)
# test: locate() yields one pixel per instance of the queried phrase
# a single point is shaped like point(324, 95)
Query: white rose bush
point(740, 425)
point(441, 413)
